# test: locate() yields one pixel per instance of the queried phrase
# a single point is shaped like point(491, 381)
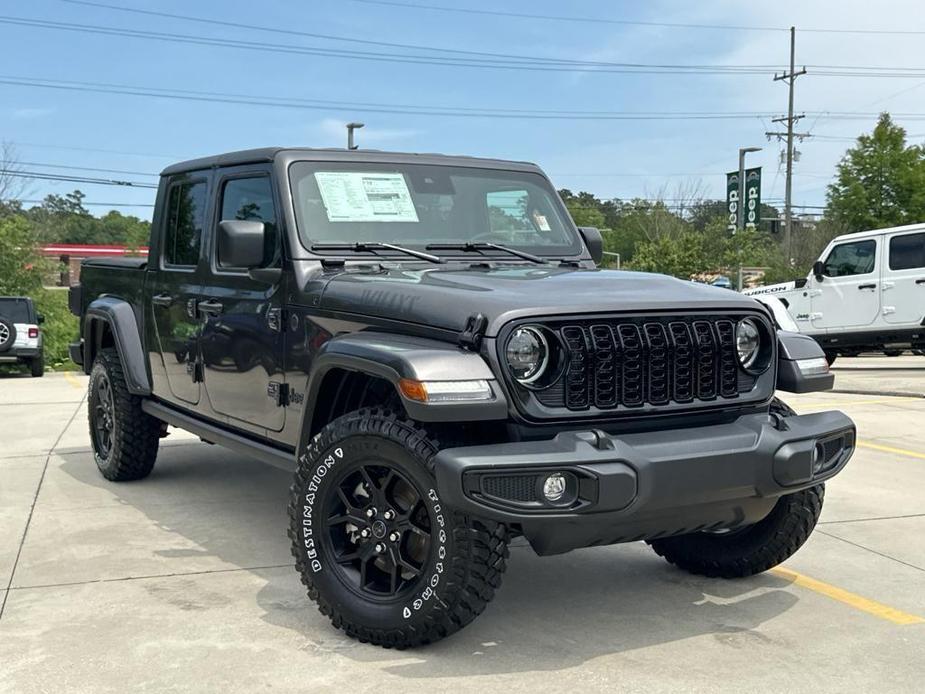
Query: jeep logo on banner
point(732, 200)
point(752, 198)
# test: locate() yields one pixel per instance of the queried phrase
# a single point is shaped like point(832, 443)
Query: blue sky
point(625, 158)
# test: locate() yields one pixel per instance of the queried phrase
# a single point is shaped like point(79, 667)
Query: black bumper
point(646, 485)
point(20, 353)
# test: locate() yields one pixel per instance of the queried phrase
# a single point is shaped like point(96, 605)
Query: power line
point(95, 204)
point(97, 150)
point(605, 20)
point(531, 64)
point(404, 109)
point(37, 175)
point(84, 168)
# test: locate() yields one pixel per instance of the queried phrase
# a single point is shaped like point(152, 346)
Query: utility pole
point(790, 119)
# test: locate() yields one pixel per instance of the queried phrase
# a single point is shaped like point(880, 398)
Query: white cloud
point(27, 113)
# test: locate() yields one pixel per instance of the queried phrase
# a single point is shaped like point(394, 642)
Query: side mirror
point(39, 318)
point(595, 243)
point(819, 270)
point(240, 243)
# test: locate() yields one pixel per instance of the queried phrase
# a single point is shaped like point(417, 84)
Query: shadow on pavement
point(551, 613)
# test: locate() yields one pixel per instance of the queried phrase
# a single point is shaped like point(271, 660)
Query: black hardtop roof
point(269, 154)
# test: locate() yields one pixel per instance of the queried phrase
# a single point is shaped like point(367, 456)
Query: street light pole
point(740, 216)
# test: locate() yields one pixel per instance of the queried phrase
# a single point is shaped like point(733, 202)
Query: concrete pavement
point(183, 582)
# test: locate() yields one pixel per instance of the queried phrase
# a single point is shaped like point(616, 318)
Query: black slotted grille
point(633, 362)
point(577, 378)
point(606, 379)
point(728, 363)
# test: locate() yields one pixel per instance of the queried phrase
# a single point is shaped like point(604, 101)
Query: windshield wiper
point(485, 245)
point(373, 245)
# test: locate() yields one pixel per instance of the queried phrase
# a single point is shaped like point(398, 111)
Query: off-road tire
point(444, 600)
point(7, 335)
point(37, 367)
point(135, 434)
point(751, 550)
point(830, 357)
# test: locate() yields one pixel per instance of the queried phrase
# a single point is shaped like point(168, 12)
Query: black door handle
point(867, 286)
point(162, 300)
point(210, 307)
point(920, 281)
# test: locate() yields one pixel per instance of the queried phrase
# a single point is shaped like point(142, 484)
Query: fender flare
point(394, 357)
point(119, 317)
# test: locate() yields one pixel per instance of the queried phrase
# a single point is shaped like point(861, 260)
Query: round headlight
point(748, 342)
point(527, 354)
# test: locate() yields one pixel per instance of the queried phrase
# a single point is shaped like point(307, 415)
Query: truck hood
point(444, 297)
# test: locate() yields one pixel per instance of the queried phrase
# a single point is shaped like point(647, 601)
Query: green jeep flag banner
point(732, 200)
point(752, 198)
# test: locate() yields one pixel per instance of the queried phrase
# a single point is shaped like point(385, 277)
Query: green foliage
point(64, 219)
point(21, 265)
point(59, 329)
point(21, 272)
point(880, 181)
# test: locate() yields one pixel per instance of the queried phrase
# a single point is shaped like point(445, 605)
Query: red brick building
point(69, 256)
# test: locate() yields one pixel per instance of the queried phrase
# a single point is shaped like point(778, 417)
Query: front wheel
point(379, 552)
point(751, 550)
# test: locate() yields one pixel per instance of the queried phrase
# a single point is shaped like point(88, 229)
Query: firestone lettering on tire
point(430, 586)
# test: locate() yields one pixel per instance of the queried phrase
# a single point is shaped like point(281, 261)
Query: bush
point(60, 327)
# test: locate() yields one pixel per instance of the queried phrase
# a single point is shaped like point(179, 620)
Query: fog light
point(818, 458)
point(554, 487)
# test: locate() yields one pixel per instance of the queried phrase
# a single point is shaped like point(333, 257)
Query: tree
point(880, 181)
point(21, 265)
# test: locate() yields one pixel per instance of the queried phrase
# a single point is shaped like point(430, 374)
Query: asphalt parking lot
point(183, 582)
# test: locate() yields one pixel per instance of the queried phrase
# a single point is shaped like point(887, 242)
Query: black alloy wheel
point(102, 416)
point(378, 529)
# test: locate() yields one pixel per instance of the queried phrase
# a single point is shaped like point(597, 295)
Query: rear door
point(848, 297)
point(904, 279)
point(174, 289)
point(243, 323)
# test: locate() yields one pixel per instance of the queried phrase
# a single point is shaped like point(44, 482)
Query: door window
point(252, 199)
point(855, 258)
point(907, 252)
point(186, 215)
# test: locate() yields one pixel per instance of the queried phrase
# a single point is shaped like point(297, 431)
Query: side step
point(214, 434)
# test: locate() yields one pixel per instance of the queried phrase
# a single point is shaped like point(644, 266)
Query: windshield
point(417, 205)
point(16, 310)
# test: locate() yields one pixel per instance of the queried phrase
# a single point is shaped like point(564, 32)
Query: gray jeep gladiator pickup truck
point(427, 342)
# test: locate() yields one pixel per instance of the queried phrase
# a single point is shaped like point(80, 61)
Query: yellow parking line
point(872, 607)
point(72, 379)
point(891, 449)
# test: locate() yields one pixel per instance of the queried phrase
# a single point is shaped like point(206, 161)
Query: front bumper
point(646, 485)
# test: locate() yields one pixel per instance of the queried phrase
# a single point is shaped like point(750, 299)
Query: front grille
point(638, 362)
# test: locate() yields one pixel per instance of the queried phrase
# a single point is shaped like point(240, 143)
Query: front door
point(848, 296)
point(904, 279)
point(243, 323)
point(174, 288)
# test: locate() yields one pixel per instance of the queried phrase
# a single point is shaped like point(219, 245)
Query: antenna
point(350, 128)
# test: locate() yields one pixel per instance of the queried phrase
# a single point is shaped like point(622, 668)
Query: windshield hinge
point(471, 337)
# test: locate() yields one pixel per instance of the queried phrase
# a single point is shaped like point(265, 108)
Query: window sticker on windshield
point(541, 222)
point(350, 196)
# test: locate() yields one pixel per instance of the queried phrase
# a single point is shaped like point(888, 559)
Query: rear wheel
point(380, 554)
point(124, 438)
point(37, 367)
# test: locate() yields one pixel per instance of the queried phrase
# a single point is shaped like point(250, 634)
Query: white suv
point(20, 334)
point(865, 293)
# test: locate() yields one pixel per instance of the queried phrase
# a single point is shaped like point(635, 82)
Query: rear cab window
point(907, 252)
point(16, 310)
point(186, 208)
point(852, 258)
